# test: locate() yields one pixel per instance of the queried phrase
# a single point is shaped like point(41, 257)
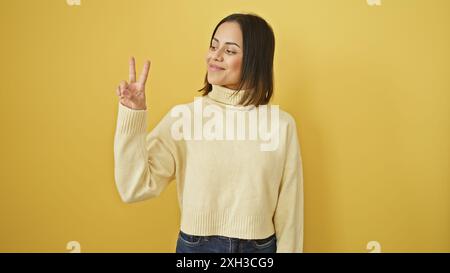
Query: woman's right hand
point(132, 94)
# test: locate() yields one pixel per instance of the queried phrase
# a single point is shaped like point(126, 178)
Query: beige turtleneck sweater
point(236, 176)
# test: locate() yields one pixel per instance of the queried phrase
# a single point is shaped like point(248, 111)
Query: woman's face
point(224, 58)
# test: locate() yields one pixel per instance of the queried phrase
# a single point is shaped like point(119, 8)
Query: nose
point(217, 55)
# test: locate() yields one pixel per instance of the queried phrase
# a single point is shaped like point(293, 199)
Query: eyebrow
point(227, 43)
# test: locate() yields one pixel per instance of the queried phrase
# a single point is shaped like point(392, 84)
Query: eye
point(212, 47)
point(231, 52)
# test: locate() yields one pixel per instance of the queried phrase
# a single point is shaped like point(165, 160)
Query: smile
point(215, 68)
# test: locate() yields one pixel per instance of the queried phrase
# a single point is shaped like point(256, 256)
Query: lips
point(215, 67)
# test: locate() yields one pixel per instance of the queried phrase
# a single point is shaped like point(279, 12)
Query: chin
point(215, 81)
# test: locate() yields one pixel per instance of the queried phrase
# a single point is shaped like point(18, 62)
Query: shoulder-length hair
point(257, 62)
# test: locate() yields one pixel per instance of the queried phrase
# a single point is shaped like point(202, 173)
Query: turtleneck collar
point(225, 95)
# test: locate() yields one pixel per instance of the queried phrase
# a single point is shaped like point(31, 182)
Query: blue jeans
point(187, 243)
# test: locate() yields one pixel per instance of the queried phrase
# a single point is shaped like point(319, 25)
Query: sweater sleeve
point(143, 163)
point(288, 217)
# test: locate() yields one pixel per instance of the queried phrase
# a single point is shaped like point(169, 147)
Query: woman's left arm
point(288, 218)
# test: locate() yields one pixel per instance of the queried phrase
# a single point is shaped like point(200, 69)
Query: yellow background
point(368, 86)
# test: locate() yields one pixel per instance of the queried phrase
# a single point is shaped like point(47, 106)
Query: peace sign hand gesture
point(132, 95)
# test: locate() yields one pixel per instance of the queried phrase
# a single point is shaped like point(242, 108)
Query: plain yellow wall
point(368, 86)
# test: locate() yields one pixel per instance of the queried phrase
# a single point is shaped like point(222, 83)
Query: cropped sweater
point(238, 169)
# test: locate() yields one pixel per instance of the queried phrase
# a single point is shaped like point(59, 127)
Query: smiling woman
point(240, 57)
point(236, 193)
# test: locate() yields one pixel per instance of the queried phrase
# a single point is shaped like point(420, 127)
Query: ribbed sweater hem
point(227, 224)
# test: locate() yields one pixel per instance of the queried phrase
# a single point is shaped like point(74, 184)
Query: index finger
point(132, 70)
point(144, 73)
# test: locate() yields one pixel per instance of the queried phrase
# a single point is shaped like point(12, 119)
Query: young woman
point(236, 192)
